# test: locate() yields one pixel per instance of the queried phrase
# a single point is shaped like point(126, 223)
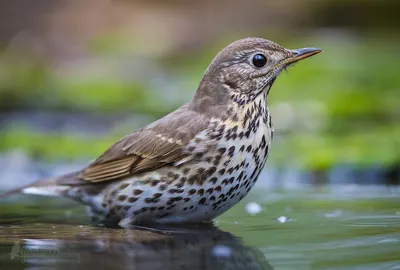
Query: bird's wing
point(158, 144)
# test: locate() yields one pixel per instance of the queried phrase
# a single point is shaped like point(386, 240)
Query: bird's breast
point(241, 151)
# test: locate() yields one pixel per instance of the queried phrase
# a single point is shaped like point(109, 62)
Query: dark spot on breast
point(137, 192)
point(124, 185)
point(221, 172)
point(230, 170)
point(211, 171)
point(162, 187)
point(240, 176)
point(192, 191)
point(248, 148)
point(122, 198)
point(199, 155)
point(202, 200)
point(192, 179)
point(241, 148)
point(157, 195)
point(217, 160)
point(186, 199)
point(155, 183)
point(231, 151)
point(200, 191)
point(218, 188)
point(180, 185)
point(235, 117)
point(132, 199)
point(213, 180)
point(254, 173)
point(263, 142)
point(186, 171)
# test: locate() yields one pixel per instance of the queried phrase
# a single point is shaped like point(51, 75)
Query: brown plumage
point(206, 155)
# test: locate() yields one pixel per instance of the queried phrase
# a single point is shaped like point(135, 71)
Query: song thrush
point(196, 162)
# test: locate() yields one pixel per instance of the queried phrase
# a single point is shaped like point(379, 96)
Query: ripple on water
point(373, 221)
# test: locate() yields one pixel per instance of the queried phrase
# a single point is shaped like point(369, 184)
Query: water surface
point(337, 227)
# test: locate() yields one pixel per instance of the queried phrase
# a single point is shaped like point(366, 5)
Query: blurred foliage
point(355, 81)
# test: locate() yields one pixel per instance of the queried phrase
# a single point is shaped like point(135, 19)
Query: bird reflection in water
point(194, 247)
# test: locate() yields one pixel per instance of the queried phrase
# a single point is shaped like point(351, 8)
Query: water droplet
point(283, 219)
point(253, 208)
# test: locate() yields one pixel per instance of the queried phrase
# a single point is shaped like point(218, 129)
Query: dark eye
point(259, 60)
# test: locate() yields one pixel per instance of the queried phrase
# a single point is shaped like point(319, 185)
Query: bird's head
point(245, 68)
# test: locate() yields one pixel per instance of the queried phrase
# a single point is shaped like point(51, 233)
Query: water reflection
point(81, 247)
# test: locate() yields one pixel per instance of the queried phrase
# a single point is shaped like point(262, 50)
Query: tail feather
point(46, 190)
point(48, 187)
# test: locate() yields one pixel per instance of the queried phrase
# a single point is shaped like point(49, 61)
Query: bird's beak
point(299, 54)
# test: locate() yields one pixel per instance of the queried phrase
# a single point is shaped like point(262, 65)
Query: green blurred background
point(75, 75)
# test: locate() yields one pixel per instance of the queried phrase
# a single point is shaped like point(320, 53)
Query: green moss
point(54, 146)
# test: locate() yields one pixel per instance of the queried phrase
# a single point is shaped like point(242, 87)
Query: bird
point(197, 162)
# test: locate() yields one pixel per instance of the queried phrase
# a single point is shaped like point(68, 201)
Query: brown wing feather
point(149, 148)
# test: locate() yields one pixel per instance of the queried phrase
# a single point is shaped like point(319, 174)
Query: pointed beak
point(301, 54)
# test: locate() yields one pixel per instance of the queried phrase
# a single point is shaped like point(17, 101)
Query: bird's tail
point(48, 187)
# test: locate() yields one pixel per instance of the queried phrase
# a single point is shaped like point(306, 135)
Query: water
point(331, 227)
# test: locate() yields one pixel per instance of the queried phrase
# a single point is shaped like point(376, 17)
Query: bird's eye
point(259, 60)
